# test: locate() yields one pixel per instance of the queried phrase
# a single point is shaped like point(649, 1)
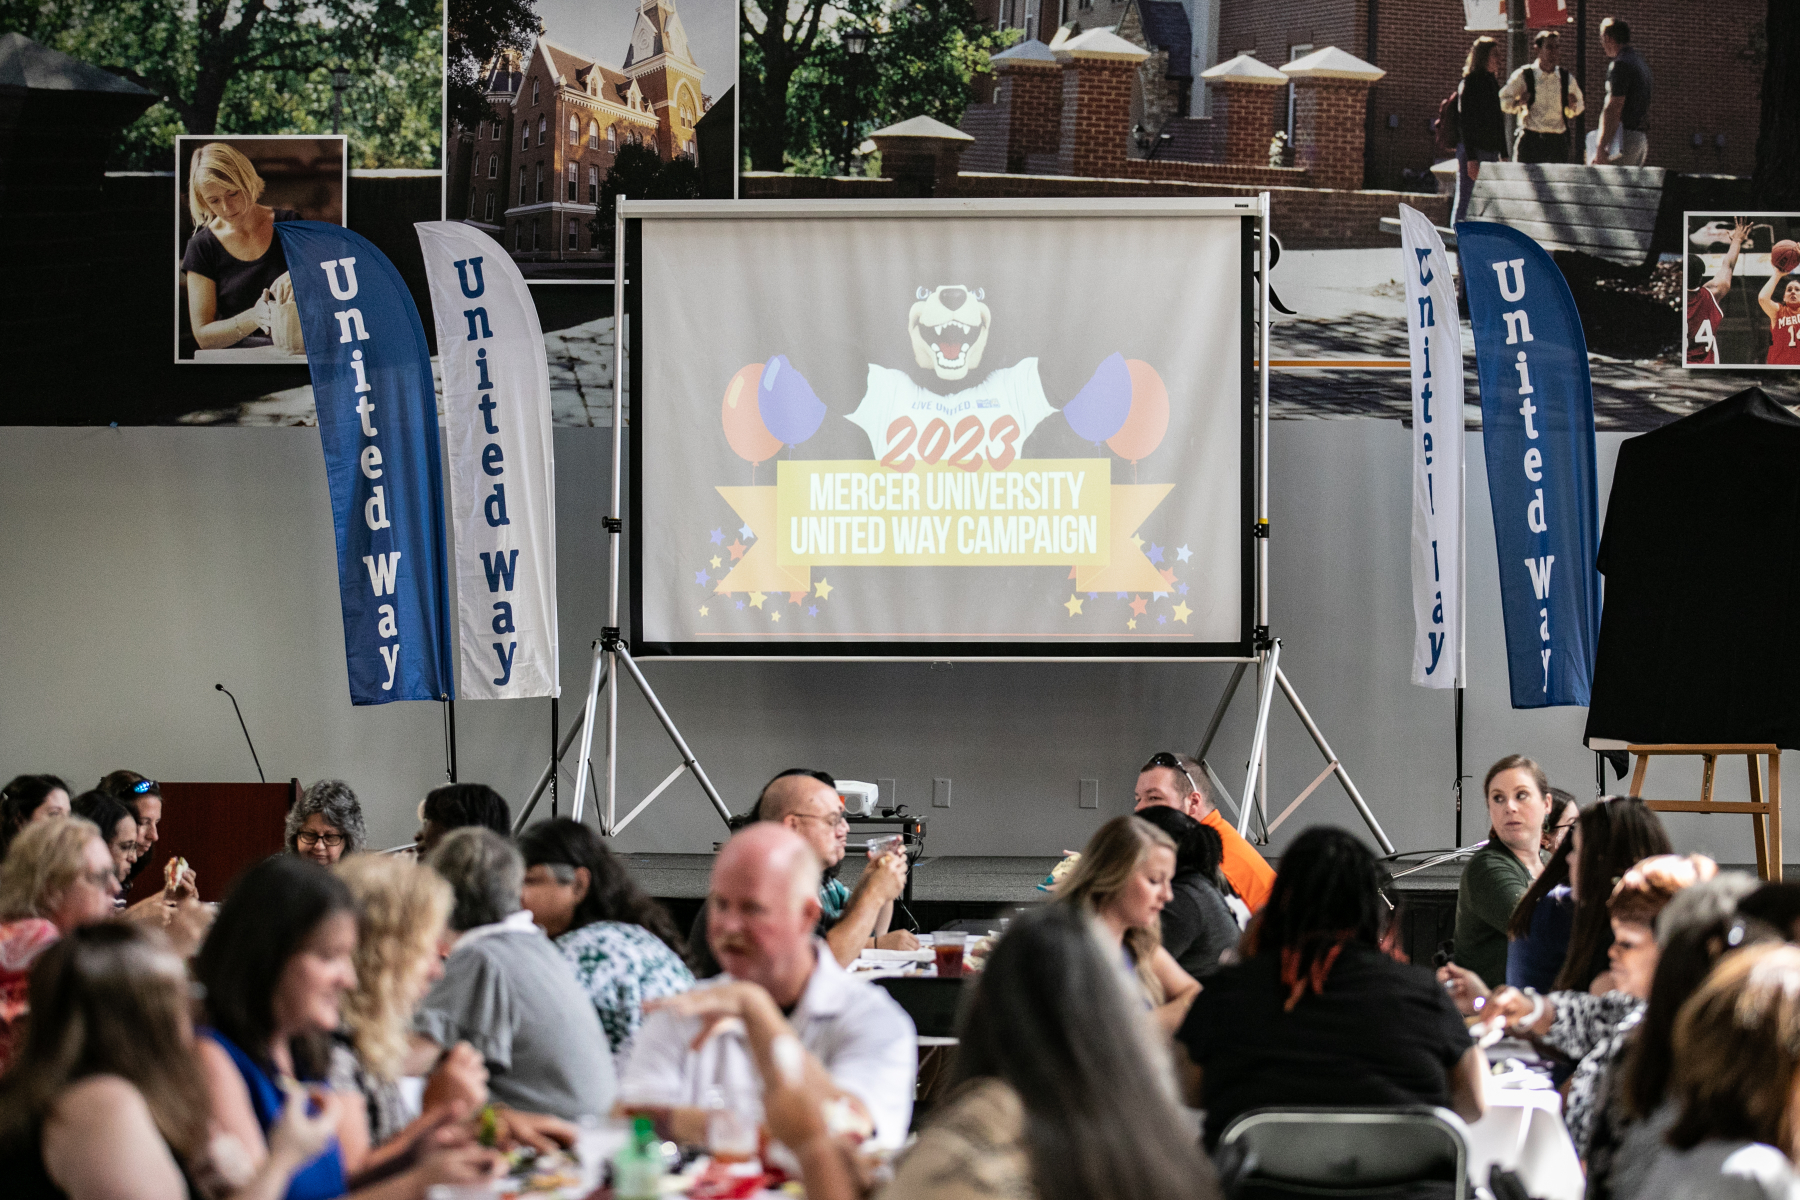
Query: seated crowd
point(348, 1023)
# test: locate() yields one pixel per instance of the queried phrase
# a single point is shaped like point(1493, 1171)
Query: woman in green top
point(1501, 871)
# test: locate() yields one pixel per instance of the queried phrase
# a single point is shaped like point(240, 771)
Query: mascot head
point(949, 329)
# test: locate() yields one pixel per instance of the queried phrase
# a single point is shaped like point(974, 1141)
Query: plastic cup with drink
point(949, 947)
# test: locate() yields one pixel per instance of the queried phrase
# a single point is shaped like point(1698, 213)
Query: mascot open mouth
point(949, 329)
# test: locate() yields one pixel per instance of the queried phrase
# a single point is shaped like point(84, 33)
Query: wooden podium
point(220, 828)
point(1764, 813)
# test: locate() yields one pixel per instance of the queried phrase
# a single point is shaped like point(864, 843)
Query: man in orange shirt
point(1178, 782)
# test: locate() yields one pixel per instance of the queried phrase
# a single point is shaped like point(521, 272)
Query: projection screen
point(941, 429)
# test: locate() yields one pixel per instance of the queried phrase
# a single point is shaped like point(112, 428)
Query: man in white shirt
point(1544, 97)
point(762, 906)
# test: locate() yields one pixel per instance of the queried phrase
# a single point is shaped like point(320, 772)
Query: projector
point(859, 798)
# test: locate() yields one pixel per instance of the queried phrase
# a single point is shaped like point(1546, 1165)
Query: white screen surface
point(912, 434)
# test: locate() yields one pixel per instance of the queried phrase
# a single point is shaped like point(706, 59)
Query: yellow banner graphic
point(1043, 512)
point(1037, 512)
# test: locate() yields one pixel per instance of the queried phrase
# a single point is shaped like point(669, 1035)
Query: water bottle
point(638, 1166)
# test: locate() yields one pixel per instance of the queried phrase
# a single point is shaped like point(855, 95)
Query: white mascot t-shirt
point(1013, 391)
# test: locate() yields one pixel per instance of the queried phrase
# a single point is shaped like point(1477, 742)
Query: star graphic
point(737, 550)
point(745, 530)
point(1073, 605)
point(1137, 541)
point(774, 616)
point(1071, 572)
point(740, 605)
point(1093, 595)
point(703, 610)
point(718, 536)
point(1161, 619)
point(796, 597)
point(1182, 589)
point(1155, 553)
point(702, 578)
point(1168, 574)
point(1131, 623)
point(1121, 595)
point(1159, 595)
point(1182, 554)
point(756, 599)
point(1182, 612)
point(822, 589)
point(715, 562)
point(1138, 605)
point(812, 610)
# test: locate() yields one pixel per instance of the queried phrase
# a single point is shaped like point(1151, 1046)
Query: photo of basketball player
point(1704, 316)
point(1732, 259)
point(1784, 318)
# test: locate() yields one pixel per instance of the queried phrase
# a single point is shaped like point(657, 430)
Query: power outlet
point(1090, 793)
point(886, 799)
point(940, 793)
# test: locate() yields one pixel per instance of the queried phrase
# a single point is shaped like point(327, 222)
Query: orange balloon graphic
point(1148, 419)
point(744, 428)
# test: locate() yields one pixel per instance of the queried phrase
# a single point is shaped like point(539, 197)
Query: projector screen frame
point(1252, 215)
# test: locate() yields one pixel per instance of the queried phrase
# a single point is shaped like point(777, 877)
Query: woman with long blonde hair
point(233, 264)
point(402, 914)
point(1123, 878)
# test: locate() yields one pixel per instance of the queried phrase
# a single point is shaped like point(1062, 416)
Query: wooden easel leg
point(1775, 847)
point(1637, 774)
point(1766, 863)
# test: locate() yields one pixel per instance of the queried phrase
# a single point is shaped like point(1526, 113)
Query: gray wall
point(140, 566)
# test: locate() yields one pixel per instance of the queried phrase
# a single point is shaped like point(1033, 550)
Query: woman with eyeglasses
point(116, 825)
point(622, 944)
point(326, 823)
point(57, 877)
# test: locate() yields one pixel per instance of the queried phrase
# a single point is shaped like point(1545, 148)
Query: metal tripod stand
point(1268, 648)
point(610, 653)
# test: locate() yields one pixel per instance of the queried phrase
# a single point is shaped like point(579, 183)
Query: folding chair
point(1413, 1151)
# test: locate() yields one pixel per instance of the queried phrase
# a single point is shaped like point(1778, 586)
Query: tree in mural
point(806, 96)
point(639, 173)
point(260, 66)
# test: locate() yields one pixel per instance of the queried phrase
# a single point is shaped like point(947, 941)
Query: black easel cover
point(1700, 635)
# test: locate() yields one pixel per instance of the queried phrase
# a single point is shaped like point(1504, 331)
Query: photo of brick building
point(531, 177)
point(1703, 120)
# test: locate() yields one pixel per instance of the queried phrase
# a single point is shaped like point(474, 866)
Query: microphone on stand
point(240, 716)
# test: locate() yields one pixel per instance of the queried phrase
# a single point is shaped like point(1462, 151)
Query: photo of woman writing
point(233, 267)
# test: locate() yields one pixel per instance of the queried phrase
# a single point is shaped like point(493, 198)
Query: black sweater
point(1483, 128)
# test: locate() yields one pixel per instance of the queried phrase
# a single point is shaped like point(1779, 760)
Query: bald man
point(762, 906)
point(807, 802)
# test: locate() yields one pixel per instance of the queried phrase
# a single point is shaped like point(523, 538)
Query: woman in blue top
point(275, 967)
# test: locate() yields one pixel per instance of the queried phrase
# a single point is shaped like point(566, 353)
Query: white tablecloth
point(1523, 1131)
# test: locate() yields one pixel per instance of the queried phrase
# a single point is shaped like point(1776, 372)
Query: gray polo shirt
point(510, 993)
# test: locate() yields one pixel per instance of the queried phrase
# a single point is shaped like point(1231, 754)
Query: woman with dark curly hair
point(1316, 1012)
point(622, 944)
point(326, 823)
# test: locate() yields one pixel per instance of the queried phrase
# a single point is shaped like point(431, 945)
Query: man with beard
point(807, 802)
point(785, 986)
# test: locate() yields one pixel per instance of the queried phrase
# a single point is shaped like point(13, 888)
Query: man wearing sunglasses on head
point(1177, 781)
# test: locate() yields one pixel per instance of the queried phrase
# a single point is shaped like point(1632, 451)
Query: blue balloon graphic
point(1099, 409)
point(790, 410)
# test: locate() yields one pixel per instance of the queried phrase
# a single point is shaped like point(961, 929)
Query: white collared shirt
point(856, 1030)
point(519, 922)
